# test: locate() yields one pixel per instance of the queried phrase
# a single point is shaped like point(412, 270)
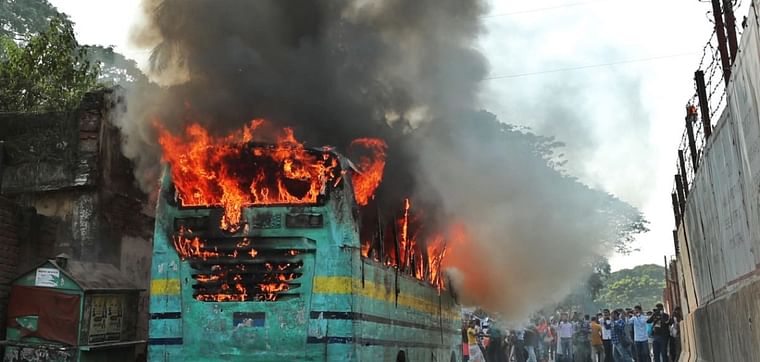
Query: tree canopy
point(18, 18)
point(115, 68)
point(641, 285)
point(49, 72)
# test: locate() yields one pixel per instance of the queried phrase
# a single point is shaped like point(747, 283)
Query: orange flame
point(286, 277)
point(205, 278)
point(365, 248)
point(236, 291)
point(224, 171)
point(371, 169)
point(191, 247)
point(269, 290)
point(436, 253)
point(239, 288)
point(221, 297)
point(404, 237)
point(421, 257)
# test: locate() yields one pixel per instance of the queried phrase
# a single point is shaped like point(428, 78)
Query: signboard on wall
point(114, 313)
point(47, 277)
point(106, 315)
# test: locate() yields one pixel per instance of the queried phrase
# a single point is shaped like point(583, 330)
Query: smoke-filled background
point(404, 71)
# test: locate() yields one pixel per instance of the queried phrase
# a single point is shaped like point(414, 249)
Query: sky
point(609, 78)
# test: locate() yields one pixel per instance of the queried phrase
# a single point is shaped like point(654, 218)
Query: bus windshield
point(233, 176)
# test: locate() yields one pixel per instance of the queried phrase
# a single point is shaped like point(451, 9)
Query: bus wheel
point(453, 357)
point(401, 356)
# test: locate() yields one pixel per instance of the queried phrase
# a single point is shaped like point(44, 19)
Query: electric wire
point(536, 10)
point(589, 66)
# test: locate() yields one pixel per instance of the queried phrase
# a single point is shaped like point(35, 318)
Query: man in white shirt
point(565, 331)
point(640, 336)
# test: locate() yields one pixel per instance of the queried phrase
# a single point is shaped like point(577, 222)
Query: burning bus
point(269, 252)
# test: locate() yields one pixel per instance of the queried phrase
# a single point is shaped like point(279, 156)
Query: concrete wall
point(726, 329)
point(719, 237)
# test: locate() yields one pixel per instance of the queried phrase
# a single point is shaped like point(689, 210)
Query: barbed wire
point(704, 50)
point(716, 101)
point(718, 106)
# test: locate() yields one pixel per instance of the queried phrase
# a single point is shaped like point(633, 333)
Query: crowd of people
point(619, 335)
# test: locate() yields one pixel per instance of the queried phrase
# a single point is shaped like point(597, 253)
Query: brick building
point(66, 188)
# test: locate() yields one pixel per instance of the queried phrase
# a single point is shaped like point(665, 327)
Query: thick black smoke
point(334, 70)
point(404, 71)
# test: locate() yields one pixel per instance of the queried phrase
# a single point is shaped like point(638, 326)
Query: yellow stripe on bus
point(336, 285)
point(332, 285)
point(345, 285)
point(164, 287)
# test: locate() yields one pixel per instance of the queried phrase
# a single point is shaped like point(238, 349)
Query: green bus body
point(343, 307)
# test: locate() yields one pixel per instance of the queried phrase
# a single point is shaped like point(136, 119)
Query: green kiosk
point(65, 310)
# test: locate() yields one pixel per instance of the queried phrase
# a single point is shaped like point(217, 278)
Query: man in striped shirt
point(621, 347)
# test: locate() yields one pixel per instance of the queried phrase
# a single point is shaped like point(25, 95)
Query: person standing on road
point(675, 333)
point(521, 354)
point(531, 340)
point(661, 331)
point(565, 331)
point(553, 328)
point(495, 350)
point(640, 337)
point(621, 349)
point(544, 339)
point(649, 332)
point(597, 346)
point(582, 347)
point(629, 332)
point(606, 323)
point(472, 342)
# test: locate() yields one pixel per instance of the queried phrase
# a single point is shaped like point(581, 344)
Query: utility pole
point(680, 195)
point(733, 45)
point(684, 179)
point(675, 242)
point(720, 31)
point(704, 108)
point(691, 117)
point(676, 208)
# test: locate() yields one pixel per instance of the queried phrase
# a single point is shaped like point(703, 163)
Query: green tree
point(19, 18)
point(598, 279)
point(641, 285)
point(50, 72)
point(115, 68)
point(582, 298)
point(22, 19)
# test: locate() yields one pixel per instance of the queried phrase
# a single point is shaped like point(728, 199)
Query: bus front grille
point(242, 269)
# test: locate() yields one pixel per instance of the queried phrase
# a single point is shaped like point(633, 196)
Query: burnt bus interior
point(231, 265)
point(402, 242)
